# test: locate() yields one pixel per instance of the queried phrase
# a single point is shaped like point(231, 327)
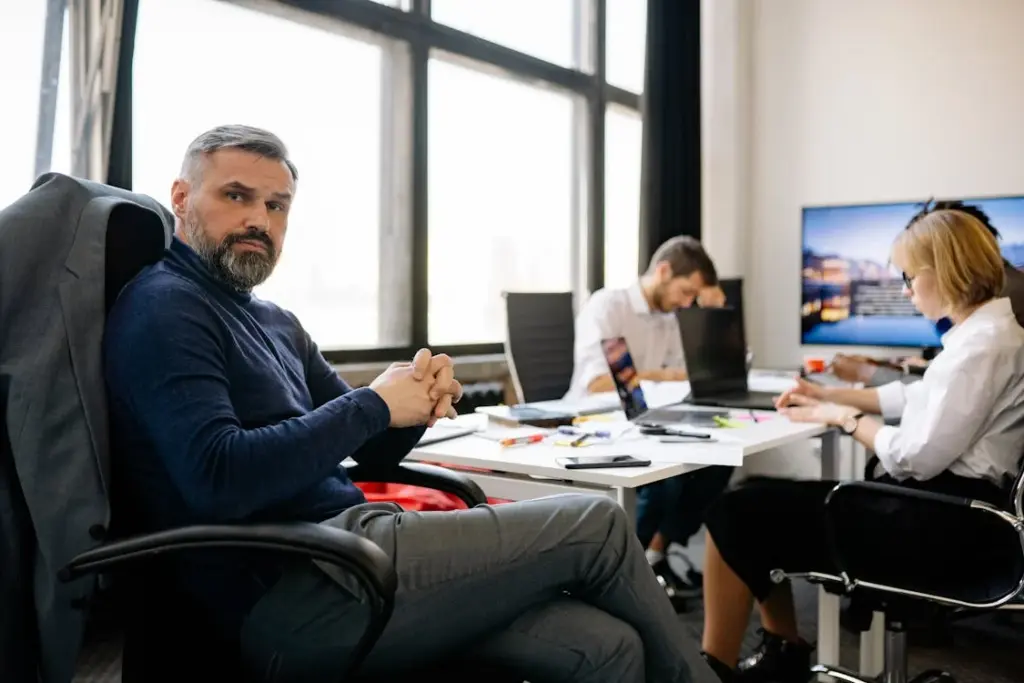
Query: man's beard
point(240, 270)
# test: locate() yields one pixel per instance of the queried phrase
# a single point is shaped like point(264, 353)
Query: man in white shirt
point(680, 274)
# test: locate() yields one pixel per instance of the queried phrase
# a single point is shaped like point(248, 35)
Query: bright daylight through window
point(626, 38)
point(22, 30)
point(500, 193)
point(328, 271)
point(541, 28)
point(623, 129)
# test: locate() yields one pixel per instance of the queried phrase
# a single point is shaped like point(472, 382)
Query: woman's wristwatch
point(850, 424)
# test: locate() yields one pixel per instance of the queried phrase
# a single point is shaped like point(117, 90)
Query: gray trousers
point(552, 589)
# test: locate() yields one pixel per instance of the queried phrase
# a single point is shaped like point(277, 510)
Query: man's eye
point(276, 206)
point(234, 196)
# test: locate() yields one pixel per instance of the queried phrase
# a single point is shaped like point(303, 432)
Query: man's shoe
point(679, 589)
point(776, 661)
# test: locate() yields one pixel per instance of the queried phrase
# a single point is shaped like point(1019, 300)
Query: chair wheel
point(934, 676)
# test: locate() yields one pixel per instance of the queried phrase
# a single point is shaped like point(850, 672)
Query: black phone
point(654, 430)
point(594, 462)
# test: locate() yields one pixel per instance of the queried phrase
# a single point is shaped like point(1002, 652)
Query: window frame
point(413, 36)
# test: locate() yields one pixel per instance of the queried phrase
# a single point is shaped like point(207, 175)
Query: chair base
point(838, 673)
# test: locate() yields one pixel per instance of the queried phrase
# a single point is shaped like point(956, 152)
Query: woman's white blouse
point(967, 412)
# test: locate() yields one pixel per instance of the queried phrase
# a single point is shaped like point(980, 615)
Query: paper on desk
point(720, 452)
point(658, 394)
point(774, 382)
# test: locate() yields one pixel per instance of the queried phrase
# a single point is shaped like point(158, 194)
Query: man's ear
point(662, 272)
point(179, 197)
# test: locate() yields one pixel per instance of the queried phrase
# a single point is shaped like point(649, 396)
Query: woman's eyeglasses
point(908, 280)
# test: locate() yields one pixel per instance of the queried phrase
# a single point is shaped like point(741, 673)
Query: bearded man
point(224, 411)
point(680, 274)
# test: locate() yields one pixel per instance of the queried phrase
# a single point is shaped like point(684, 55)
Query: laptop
point(715, 349)
point(631, 394)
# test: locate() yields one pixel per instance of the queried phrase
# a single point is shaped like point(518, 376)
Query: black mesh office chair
point(939, 591)
point(539, 338)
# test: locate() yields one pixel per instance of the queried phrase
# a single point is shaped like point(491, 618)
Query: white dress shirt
point(652, 337)
point(967, 412)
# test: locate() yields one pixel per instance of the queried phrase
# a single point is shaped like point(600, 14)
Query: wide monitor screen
point(852, 296)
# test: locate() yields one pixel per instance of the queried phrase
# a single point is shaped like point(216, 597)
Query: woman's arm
point(865, 400)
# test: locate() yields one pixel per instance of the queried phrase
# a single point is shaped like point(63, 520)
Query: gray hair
point(246, 138)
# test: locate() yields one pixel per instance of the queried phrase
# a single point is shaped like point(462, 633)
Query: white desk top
point(668, 460)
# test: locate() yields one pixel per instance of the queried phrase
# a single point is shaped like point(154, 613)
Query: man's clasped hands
point(420, 392)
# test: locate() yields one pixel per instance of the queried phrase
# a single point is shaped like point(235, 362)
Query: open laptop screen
point(627, 381)
point(715, 349)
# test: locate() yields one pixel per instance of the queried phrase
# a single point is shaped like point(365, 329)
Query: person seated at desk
point(875, 372)
point(224, 411)
point(961, 433)
point(680, 274)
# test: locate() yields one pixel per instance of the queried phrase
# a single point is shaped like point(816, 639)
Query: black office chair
point(165, 638)
point(938, 591)
point(539, 338)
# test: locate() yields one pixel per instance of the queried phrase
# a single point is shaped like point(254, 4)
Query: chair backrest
point(539, 338)
point(66, 249)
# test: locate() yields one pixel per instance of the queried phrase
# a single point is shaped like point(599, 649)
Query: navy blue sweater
point(223, 410)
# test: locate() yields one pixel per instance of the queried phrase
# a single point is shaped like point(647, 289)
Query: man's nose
point(258, 218)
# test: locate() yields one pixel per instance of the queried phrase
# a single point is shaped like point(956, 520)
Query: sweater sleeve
point(325, 385)
point(165, 367)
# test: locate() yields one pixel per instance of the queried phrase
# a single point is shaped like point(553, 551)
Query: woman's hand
point(802, 390)
point(805, 409)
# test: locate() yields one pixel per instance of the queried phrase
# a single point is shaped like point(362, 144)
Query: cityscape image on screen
point(852, 296)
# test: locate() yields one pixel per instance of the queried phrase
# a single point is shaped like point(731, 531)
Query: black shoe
point(679, 589)
point(721, 669)
point(776, 661)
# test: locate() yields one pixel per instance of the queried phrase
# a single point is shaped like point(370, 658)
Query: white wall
point(833, 101)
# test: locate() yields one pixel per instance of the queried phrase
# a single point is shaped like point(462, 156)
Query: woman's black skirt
point(768, 524)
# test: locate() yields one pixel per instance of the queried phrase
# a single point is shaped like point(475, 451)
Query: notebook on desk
point(551, 413)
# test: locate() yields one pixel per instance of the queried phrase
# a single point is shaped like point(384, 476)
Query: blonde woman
point(961, 432)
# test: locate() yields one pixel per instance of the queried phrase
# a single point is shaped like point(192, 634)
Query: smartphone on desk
point(595, 462)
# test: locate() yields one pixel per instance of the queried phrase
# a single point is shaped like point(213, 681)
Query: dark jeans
point(676, 507)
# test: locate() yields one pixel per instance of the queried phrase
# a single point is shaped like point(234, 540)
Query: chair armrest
point(864, 520)
point(421, 474)
point(362, 558)
point(873, 490)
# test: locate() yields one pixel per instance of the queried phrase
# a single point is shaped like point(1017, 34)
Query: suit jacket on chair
point(54, 472)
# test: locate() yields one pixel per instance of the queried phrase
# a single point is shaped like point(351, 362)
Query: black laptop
point(715, 349)
point(631, 395)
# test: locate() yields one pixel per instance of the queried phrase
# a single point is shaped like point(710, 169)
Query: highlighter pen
point(522, 440)
point(579, 440)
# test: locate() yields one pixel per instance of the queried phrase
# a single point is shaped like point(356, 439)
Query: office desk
point(531, 471)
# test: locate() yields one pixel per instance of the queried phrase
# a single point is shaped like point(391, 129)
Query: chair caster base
point(840, 674)
point(934, 676)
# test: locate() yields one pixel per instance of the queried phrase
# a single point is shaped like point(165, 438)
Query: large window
point(444, 147)
point(22, 43)
point(541, 28)
point(626, 40)
point(321, 93)
point(500, 199)
point(623, 130)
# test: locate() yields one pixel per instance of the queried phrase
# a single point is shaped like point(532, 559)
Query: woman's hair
point(959, 249)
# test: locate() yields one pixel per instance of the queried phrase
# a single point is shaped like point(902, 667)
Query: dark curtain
point(119, 173)
point(670, 176)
